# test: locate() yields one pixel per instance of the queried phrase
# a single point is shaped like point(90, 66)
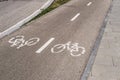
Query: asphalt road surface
point(56, 46)
point(13, 11)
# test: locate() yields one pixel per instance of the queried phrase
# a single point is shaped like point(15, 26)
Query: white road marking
point(75, 17)
point(74, 48)
point(89, 3)
point(19, 41)
point(45, 45)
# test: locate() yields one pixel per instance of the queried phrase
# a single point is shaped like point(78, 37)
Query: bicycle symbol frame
point(19, 41)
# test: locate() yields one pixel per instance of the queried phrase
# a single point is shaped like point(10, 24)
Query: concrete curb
point(22, 22)
point(95, 47)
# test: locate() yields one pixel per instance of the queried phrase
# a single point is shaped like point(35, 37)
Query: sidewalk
point(13, 11)
point(107, 62)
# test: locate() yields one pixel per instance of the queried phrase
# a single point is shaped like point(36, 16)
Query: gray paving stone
point(109, 53)
point(103, 60)
point(117, 61)
point(104, 72)
point(113, 34)
point(104, 44)
point(107, 62)
point(109, 29)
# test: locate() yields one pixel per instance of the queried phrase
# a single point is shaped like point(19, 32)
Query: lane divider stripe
point(45, 45)
point(89, 3)
point(75, 17)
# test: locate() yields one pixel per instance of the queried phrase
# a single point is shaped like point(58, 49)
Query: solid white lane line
point(45, 45)
point(89, 3)
point(75, 17)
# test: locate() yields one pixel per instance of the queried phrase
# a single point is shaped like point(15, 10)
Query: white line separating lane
point(89, 3)
point(45, 45)
point(75, 17)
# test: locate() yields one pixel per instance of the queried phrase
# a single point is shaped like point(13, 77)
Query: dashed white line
point(89, 3)
point(75, 17)
point(45, 45)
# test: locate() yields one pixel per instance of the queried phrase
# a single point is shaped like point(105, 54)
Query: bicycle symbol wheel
point(80, 51)
point(32, 41)
point(58, 48)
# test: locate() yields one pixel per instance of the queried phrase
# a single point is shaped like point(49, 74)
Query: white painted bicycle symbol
point(74, 49)
point(19, 41)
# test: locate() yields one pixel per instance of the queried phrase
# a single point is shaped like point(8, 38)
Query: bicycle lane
point(25, 64)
